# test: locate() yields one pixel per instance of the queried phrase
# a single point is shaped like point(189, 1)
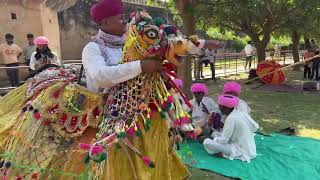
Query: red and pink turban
point(231, 87)
point(41, 40)
point(106, 8)
point(199, 87)
point(178, 83)
point(228, 101)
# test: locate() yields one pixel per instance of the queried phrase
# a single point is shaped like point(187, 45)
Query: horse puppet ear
point(195, 40)
point(195, 44)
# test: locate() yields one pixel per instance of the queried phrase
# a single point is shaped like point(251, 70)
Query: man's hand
point(205, 109)
point(150, 66)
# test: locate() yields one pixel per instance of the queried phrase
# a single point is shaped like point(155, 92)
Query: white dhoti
point(213, 147)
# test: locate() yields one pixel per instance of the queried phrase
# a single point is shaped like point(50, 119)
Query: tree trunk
point(261, 49)
point(307, 43)
point(260, 45)
point(184, 70)
point(261, 52)
point(295, 43)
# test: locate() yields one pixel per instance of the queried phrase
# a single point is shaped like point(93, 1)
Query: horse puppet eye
point(152, 34)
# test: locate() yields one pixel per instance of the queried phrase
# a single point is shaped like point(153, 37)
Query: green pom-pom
point(162, 115)
point(121, 135)
point(169, 106)
point(151, 165)
point(148, 124)
point(158, 21)
point(101, 157)
point(137, 133)
point(118, 146)
point(87, 159)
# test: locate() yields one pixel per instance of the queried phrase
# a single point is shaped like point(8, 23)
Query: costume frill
point(43, 121)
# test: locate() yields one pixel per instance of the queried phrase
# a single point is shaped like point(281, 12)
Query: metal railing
point(234, 63)
point(225, 64)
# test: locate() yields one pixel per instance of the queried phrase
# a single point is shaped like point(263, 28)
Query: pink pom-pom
point(162, 26)
point(146, 160)
point(84, 146)
point(96, 149)
point(184, 120)
point(163, 105)
point(151, 114)
point(133, 14)
point(37, 115)
point(191, 135)
point(177, 122)
point(170, 99)
point(130, 132)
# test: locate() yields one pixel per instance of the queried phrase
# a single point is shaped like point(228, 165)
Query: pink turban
point(231, 87)
point(199, 87)
point(41, 40)
point(228, 101)
point(106, 8)
point(178, 83)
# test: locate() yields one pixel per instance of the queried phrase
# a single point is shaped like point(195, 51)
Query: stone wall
point(20, 17)
point(76, 26)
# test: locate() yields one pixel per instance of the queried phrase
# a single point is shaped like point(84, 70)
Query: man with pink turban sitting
point(237, 138)
point(202, 107)
point(234, 89)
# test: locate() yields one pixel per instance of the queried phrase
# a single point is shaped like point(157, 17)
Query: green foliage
point(238, 42)
point(282, 40)
point(304, 17)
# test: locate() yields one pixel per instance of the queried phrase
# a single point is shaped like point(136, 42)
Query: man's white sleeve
point(214, 107)
point(227, 131)
point(107, 76)
point(33, 61)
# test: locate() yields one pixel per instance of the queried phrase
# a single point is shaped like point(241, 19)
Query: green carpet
point(278, 158)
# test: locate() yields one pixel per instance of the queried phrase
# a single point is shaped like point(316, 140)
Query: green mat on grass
point(278, 158)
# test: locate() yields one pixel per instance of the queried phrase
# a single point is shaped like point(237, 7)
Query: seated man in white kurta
point(233, 88)
point(237, 138)
point(202, 107)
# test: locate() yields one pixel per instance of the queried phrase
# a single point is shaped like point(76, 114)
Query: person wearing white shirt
point(236, 141)
point(233, 88)
point(28, 49)
point(209, 54)
point(102, 55)
point(248, 49)
point(43, 55)
point(202, 106)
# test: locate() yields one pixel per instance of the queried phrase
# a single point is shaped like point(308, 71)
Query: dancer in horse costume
point(51, 128)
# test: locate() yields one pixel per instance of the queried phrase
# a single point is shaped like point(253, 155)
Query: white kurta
point(237, 138)
point(104, 73)
point(199, 117)
point(243, 106)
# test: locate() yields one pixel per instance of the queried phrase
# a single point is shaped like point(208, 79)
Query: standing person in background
point(308, 65)
point(249, 52)
point(28, 49)
point(209, 54)
point(10, 53)
point(43, 55)
point(198, 62)
point(277, 49)
point(314, 46)
point(315, 67)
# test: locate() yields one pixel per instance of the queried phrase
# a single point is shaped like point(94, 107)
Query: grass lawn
point(273, 111)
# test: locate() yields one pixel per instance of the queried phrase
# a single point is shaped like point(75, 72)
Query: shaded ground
point(273, 110)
